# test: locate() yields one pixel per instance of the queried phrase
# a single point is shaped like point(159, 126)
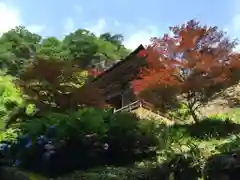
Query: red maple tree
point(192, 66)
point(59, 86)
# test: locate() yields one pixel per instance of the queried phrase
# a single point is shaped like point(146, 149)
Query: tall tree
point(17, 47)
point(192, 67)
point(116, 39)
point(90, 49)
point(61, 87)
point(51, 47)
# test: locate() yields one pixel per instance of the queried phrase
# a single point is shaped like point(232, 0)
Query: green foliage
point(116, 39)
point(108, 173)
point(10, 97)
point(90, 49)
point(61, 87)
point(219, 117)
point(90, 136)
point(19, 51)
point(234, 114)
point(19, 47)
point(51, 47)
point(232, 144)
point(9, 135)
point(14, 173)
point(183, 154)
point(30, 109)
point(70, 124)
point(87, 137)
point(215, 127)
point(182, 113)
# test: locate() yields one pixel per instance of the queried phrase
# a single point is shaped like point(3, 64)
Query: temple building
point(115, 84)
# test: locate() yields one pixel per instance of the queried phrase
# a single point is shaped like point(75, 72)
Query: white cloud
point(235, 24)
point(137, 37)
point(10, 17)
point(99, 27)
point(141, 37)
point(69, 26)
point(233, 29)
point(36, 28)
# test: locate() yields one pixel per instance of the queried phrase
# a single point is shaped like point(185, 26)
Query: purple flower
point(28, 145)
point(17, 163)
point(3, 146)
point(52, 127)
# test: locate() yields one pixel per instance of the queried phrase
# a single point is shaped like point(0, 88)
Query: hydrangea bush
point(58, 143)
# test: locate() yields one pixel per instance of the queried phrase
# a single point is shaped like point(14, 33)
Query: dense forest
point(19, 47)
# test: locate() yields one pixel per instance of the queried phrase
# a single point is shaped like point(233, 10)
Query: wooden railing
point(137, 104)
point(129, 107)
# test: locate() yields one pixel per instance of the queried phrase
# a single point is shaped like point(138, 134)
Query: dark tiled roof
point(141, 47)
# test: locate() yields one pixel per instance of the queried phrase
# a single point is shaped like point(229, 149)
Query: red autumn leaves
point(194, 60)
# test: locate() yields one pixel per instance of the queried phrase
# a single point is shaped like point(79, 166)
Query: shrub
point(182, 113)
point(232, 144)
point(223, 165)
point(10, 135)
point(58, 143)
point(211, 127)
point(10, 97)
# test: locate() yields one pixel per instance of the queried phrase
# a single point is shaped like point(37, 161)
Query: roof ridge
point(139, 48)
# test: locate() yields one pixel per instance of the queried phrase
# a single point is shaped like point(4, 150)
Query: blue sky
point(136, 20)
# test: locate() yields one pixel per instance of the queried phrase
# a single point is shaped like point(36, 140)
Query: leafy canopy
point(59, 86)
point(192, 66)
point(19, 47)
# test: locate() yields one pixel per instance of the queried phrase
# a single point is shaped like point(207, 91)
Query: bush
point(10, 135)
point(211, 127)
point(58, 143)
point(232, 144)
point(225, 165)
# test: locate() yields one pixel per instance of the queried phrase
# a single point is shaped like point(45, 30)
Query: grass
point(32, 176)
point(15, 174)
point(235, 114)
point(106, 173)
point(101, 173)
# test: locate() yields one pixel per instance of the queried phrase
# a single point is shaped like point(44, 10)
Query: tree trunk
point(194, 115)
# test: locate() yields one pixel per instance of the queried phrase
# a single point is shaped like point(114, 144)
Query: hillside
point(230, 99)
